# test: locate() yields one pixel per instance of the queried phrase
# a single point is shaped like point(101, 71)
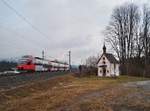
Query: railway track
point(10, 81)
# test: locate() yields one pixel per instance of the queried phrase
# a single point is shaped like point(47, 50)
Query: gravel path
point(144, 85)
point(132, 96)
point(137, 100)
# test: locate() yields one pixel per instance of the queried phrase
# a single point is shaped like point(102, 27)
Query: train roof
point(27, 56)
point(54, 61)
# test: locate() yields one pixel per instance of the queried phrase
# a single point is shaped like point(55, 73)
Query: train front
point(26, 63)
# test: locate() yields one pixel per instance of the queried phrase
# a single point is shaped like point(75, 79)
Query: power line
point(24, 18)
point(20, 36)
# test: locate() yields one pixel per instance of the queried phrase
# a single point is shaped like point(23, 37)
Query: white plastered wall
point(110, 70)
point(100, 68)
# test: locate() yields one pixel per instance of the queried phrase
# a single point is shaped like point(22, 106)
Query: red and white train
point(30, 63)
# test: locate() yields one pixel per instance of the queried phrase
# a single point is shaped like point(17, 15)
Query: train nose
point(20, 68)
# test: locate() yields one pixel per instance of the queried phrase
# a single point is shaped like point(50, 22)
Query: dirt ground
point(69, 93)
point(14, 80)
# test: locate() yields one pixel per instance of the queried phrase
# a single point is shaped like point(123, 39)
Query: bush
point(6, 65)
point(86, 71)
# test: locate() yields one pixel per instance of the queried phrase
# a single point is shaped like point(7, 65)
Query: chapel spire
point(104, 48)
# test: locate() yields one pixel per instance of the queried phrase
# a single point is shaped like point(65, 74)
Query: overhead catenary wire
point(8, 29)
point(24, 19)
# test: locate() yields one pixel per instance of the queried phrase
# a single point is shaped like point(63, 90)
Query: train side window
point(28, 63)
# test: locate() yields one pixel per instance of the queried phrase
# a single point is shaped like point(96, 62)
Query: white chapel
point(108, 65)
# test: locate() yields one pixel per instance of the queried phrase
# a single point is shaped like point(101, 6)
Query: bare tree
point(91, 61)
point(122, 31)
point(146, 34)
point(138, 44)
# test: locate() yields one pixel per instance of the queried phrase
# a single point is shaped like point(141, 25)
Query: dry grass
point(64, 93)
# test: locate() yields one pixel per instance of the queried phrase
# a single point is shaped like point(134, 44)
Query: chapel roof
point(109, 56)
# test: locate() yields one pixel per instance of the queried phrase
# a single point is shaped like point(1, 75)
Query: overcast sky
point(74, 25)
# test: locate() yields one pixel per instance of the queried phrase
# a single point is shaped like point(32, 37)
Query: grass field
point(69, 93)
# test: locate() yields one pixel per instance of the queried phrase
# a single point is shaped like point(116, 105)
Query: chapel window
point(100, 71)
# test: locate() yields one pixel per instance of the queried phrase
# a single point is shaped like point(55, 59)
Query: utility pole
point(43, 54)
point(43, 60)
point(70, 61)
